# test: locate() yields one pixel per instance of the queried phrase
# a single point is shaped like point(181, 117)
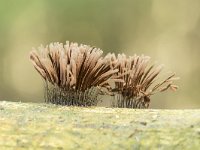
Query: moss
point(46, 126)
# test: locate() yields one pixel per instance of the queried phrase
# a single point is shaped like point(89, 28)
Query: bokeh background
point(168, 31)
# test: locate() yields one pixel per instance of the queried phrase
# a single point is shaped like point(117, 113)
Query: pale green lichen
point(46, 126)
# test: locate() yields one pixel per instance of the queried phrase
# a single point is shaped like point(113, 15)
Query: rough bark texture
point(46, 126)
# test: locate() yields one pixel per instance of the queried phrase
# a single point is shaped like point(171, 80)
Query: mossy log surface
point(46, 126)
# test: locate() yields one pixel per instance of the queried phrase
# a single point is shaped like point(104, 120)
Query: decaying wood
point(47, 126)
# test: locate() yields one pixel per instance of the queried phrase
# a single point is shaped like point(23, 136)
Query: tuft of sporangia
point(140, 81)
point(77, 74)
point(74, 74)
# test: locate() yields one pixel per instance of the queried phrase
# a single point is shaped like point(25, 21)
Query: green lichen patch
point(47, 126)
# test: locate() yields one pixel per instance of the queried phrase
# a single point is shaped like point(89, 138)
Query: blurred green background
point(166, 30)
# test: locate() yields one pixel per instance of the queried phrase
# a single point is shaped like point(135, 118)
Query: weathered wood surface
point(46, 126)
